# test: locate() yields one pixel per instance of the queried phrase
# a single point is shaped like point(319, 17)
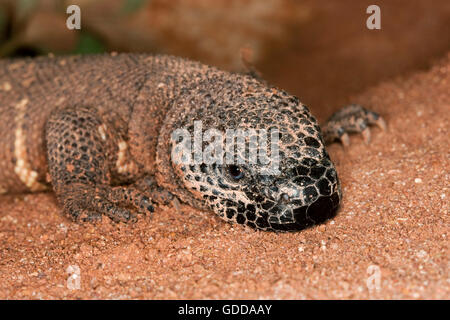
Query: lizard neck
point(164, 100)
point(167, 80)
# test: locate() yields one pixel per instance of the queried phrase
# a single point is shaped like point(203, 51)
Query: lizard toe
point(91, 216)
point(132, 197)
point(352, 119)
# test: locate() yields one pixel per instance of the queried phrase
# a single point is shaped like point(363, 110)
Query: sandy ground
point(389, 240)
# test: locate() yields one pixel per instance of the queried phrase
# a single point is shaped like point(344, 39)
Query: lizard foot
point(88, 204)
point(148, 185)
point(351, 119)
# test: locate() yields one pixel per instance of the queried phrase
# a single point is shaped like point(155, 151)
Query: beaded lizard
point(97, 130)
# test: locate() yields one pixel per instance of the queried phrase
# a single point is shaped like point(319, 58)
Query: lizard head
point(292, 184)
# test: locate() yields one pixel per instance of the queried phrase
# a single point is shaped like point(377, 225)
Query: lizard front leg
point(351, 119)
point(80, 149)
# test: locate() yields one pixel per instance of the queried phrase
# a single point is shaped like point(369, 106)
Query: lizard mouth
point(295, 218)
point(324, 208)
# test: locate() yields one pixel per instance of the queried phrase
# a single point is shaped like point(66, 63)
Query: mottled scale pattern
point(97, 130)
point(307, 189)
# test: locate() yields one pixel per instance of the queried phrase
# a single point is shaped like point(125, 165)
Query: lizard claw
point(159, 195)
point(366, 135)
point(352, 119)
point(345, 140)
point(381, 124)
point(91, 217)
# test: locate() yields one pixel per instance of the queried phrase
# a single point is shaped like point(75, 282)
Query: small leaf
point(24, 7)
point(132, 5)
point(87, 43)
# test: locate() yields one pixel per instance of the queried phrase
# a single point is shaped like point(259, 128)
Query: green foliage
point(89, 44)
point(132, 5)
point(24, 7)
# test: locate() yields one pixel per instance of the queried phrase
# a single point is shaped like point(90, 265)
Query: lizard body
point(98, 130)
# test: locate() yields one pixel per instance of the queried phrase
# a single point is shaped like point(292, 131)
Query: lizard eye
point(235, 172)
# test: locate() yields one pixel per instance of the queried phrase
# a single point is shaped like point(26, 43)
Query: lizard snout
point(322, 209)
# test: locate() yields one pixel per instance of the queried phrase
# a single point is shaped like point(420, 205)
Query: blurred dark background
point(319, 50)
